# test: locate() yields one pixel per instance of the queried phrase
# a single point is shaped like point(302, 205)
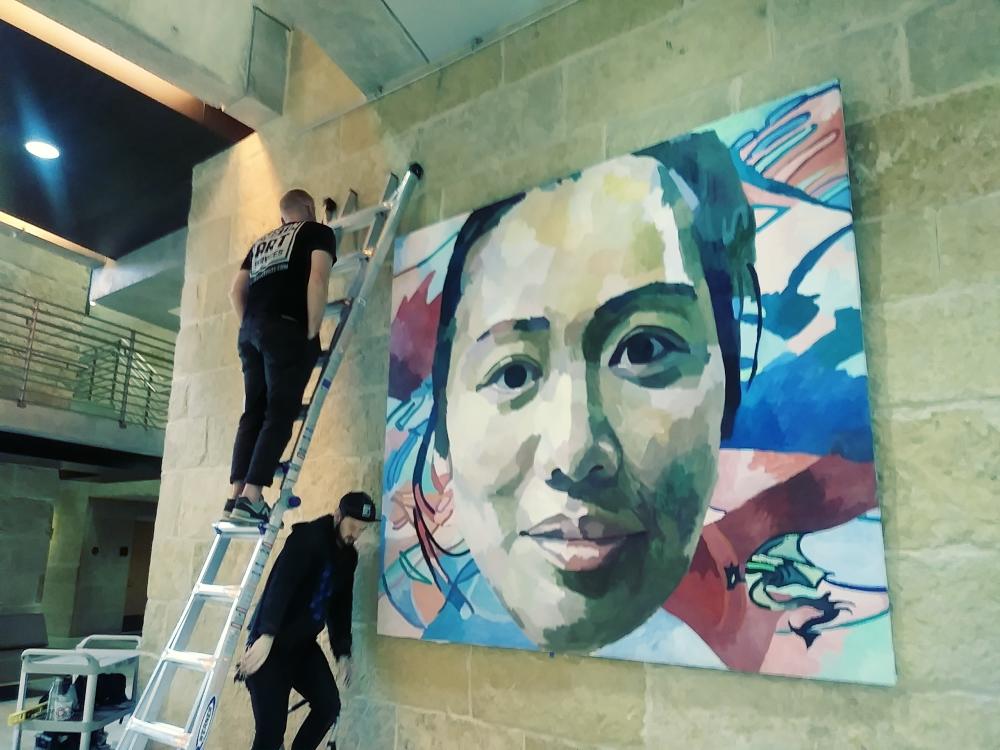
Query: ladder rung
point(215, 591)
point(228, 528)
point(168, 734)
point(189, 659)
point(338, 304)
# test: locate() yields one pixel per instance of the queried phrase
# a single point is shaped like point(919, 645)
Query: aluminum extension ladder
point(382, 221)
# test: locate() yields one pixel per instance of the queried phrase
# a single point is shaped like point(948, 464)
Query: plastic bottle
point(50, 709)
point(65, 700)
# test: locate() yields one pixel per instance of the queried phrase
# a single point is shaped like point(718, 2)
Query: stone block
point(353, 420)
point(170, 574)
point(234, 725)
point(929, 721)
point(324, 480)
point(868, 64)
point(366, 725)
point(535, 742)
point(939, 476)
point(939, 347)
point(541, 694)
point(366, 579)
point(967, 241)
point(214, 292)
point(807, 23)
point(424, 209)
point(216, 393)
point(317, 88)
point(215, 195)
point(220, 434)
point(259, 177)
point(423, 730)
point(366, 362)
point(707, 43)
point(437, 93)
point(898, 256)
point(511, 119)
point(946, 603)
point(631, 132)
point(580, 26)
point(320, 145)
point(252, 220)
point(926, 155)
point(421, 675)
point(207, 247)
point(206, 345)
point(177, 407)
point(953, 44)
point(509, 174)
point(185, 445)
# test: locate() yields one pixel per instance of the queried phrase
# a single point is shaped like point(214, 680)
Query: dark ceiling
point(124, 176)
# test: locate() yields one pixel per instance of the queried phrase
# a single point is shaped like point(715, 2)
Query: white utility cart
point(81, 661)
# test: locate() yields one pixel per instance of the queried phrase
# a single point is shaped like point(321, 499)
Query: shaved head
point(297, 205)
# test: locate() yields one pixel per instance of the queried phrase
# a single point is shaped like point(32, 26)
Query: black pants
point(277, 362)
point(307, 672)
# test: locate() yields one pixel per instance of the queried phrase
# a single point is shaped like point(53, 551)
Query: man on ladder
point(279, 295)
point(312, 582)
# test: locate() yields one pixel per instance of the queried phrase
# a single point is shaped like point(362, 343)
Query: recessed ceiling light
point(42, 150)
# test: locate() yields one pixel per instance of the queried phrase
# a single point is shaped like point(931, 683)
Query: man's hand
point(255, 656)
point(344, 672)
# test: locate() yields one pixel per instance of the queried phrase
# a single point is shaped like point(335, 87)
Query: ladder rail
point(144, 725)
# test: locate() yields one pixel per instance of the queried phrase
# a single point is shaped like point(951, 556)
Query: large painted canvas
point(628, 413)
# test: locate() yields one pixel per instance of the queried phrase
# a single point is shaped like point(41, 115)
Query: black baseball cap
point(358, 505)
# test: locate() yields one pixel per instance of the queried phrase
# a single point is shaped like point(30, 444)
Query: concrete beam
point(45, 422)
point(362, 37)
point(146, 283)
point(205, 49)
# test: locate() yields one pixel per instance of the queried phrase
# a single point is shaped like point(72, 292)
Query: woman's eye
point(512, 377)
point(643, 351)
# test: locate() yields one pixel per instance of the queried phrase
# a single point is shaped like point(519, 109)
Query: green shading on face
point(585, 393)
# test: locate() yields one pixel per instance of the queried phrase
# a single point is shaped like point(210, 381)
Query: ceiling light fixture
point(42, 149)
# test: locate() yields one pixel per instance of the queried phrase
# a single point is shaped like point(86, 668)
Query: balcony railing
point(55, 356)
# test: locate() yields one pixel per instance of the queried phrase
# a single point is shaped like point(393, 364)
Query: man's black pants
point(306, 671)
point(277, 362)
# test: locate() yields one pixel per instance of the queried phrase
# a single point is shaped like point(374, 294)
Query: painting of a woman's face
point(584, 393)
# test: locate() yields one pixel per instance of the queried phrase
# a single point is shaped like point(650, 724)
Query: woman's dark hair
point(701, 168)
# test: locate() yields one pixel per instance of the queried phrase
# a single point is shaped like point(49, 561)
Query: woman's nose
point(578, 444)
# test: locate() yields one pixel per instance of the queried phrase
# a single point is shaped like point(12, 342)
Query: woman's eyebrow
point(656, 290)
point(658, 295)
point(528, 325)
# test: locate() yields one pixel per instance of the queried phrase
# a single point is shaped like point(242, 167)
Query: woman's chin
point(596, 627)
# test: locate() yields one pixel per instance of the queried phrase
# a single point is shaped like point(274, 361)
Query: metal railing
point(56, 356)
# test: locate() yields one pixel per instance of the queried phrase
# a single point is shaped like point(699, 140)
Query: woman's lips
point(582, 544)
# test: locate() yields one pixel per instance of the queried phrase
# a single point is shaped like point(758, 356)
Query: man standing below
point(312, 581)
point(279, 295)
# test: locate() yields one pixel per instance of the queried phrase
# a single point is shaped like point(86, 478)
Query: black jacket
point(297, 601)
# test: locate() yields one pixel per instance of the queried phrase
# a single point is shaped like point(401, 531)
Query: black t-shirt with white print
point(279, 265)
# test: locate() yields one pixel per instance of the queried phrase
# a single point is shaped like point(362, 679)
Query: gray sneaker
point(249, 511)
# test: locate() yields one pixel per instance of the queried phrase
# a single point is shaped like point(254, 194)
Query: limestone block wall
point(921, 80)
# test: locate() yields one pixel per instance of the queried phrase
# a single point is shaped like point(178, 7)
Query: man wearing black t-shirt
point(279, 294)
